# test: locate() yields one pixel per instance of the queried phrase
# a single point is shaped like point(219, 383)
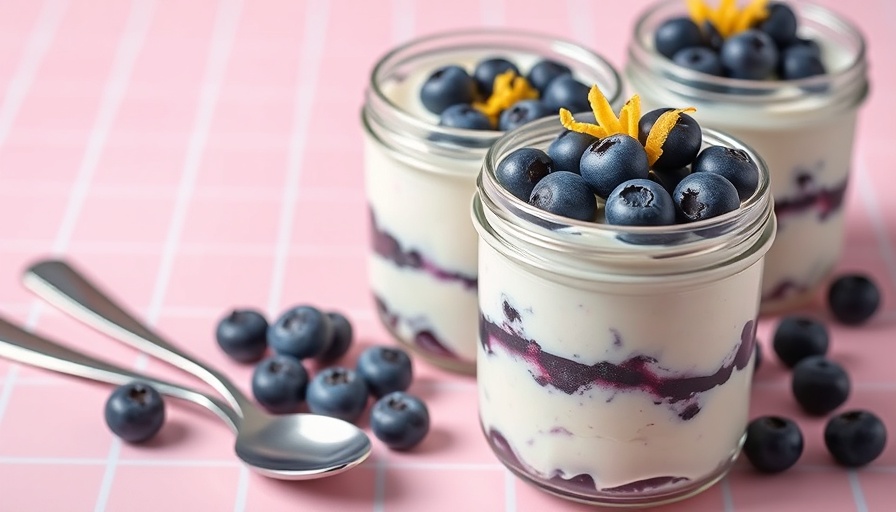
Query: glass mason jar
point(615, 362)
point(803, 129)
point(420, 178)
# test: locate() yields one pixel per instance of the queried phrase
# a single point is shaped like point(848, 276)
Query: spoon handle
point(61, 285)
point(19, 345)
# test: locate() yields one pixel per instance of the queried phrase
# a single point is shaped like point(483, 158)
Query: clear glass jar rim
point(504, 37)
point(754, 90)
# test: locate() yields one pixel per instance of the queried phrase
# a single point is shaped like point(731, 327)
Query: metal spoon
point(287, 447)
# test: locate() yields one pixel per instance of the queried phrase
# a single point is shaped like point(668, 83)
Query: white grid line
point(872, 208)
point(509, 491)
point(41, 38)
point(134, 35)
point(492, 12)
point(581, 20)
point(316, 20)
point(226, 22)
point(857, 495)
point(727, 497)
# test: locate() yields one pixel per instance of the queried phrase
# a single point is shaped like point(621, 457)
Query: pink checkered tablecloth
point(201, 154)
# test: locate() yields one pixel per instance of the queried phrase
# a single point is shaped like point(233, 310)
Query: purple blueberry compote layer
point(387, 246)
point(637, 373)
point(574, 486)
point(810, 197)
point(423, 336)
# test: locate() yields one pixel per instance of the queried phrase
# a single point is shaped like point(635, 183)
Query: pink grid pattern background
point(204, 154)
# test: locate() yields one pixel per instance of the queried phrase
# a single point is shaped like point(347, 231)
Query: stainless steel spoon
point(287, 447)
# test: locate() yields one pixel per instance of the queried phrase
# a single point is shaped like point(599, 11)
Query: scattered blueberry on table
point(819, 385)
point(773, 443)
point(855, 438)
point(399, 420)
point(798, 337)
point(853, 298)
point(242, 335)
point(301, 332)
point(385, 370)
point(338, 392)
point(135, 412)
point(279, 383)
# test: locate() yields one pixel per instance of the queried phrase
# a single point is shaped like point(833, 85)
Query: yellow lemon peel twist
point(607, 123)
point(727, 18)
point(508, 89)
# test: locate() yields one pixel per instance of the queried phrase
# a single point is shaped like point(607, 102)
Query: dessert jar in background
point(803, 129)
point(615, 362)
point(420, 178)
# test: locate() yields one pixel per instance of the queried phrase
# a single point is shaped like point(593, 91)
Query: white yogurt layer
point(615, 436)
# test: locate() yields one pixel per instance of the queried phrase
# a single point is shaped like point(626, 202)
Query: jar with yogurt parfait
point(420, 178)
point(803, 127)
point(615, 361)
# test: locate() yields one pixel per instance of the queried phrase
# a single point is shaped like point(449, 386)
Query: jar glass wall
point(615, 362)
point(420, 178)
point(804, 130)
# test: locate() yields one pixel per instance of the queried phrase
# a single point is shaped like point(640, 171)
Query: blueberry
point(300, 332)
point(855, 438)
point(640, 202)
point(750, 54)
point(521, 113)
point(544, 72)
point(676, 33)
point(566, 92)
point(135, 412)
point(703, 195)
point(735, 165)
point(611, 161)
point(810, 46)
point(567, 149)
point(399, 420)
point(669, 178)
point(565, 193)
point(773, 443)
point(446, 86)
point(797, 338)
point(853, 298)
point(681, 145)
point(279, 383)
point(711, 36)
point(780, 24)
point(242, 335)
point(341, 339)
point(519, 171)
point(464, 116)
point(800, 63)
point(487, 70)
point(385, 370)
point(699, 58)
point(819, 385)
point(337, 392)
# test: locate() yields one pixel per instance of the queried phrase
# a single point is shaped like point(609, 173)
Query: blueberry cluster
point(282, 384)
point(853, 438)
point(496, 96)
point(757, 43)
point(651, 172)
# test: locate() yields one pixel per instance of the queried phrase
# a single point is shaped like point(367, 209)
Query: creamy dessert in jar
point(432, 109)
point(619, 289)
point(787, 78)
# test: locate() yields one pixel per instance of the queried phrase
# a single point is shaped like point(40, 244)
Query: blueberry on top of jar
point(750, 42)
point(446, 86)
